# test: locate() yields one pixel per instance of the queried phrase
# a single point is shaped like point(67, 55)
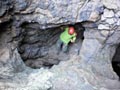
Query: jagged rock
point(20, 5)
point(87, 66)
point(55, 12)
point(94, 16)
point(118, 22)
point(108, 13)
point(50, 11)
point(117, 14)
point(14, 74)
point(101, 26)
point(111, 20)
point(102, 17)
point(114, 39)
point(105, 33)
point(111, 4)
point(5, 7)
point(91, 11)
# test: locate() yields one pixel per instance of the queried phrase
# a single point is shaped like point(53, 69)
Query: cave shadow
point(4, 26)
point(38, 47)
point(116, 61)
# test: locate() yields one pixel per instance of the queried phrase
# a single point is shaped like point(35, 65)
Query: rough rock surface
point(91, 69)
point(38, 51)
point(5, 7)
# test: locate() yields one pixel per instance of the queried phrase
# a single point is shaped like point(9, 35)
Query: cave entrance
point(38, 47)
point(116, 61)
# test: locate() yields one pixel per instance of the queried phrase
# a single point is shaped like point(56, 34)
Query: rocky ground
point(29, 30)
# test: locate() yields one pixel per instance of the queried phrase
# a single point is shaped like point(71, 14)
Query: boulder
point(105, 26)
point(111, 4)
point(108, 13)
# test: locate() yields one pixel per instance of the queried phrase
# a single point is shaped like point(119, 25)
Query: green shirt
point(65, 37)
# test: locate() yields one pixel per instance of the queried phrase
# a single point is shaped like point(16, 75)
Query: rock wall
point(5, 7)
point(38, 48)
point(90, 70)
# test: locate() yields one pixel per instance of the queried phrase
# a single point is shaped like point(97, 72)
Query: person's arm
point(73, 38)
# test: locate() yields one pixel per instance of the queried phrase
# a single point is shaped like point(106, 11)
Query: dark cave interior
point(116, 61)
point(38, 47)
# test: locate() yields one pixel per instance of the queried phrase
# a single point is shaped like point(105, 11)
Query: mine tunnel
point(38, 47)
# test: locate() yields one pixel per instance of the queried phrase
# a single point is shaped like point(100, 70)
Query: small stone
point(94, 16)
point(111, 32)
point(108, 13)
point(102, 17)
point(104, 33)
point(118, 22)
point(111, 4)
point(110, 21)
point(101, 26)
point(20, 5)
point(117, 14)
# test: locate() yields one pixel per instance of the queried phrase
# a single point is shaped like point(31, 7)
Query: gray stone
point(118, 22)
point(31, 29)
point(117, 14)
point(91, 11)
point(101, 26)
point(108, 13)
point(20, 5)
point(111, 4)
point(4, 6)
point(84, 15)
point(111, 20)
point(44, 4)
point(105, 33)
point(102, 17)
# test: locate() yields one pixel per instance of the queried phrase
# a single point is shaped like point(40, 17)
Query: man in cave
point(69, 35)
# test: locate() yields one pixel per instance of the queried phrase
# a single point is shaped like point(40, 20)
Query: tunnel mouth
point(116, 61)
point(38, 47)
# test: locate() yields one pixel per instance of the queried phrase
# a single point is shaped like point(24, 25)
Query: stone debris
point(117, 14)
point(111, 20)
point(105, 26)
point(118, 22)
point(108, 18)
point(108, 13)
point(111, 4)
point(102, 17)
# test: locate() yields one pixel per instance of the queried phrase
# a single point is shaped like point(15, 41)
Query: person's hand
point(75, 34)
point(72, 41)
point(74, 38)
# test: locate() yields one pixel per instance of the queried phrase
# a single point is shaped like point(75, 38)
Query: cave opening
point(38, 47)
point(116, 61)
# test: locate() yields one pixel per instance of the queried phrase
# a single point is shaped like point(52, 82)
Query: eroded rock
point(90, 69)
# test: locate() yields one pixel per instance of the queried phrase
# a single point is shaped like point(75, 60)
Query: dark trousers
point(62, 46)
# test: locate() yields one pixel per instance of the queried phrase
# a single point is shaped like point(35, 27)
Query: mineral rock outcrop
point(29, 30)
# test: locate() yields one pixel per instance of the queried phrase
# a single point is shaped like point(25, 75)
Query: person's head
point(71, 30)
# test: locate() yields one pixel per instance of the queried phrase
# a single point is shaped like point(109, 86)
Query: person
point(69, 35)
